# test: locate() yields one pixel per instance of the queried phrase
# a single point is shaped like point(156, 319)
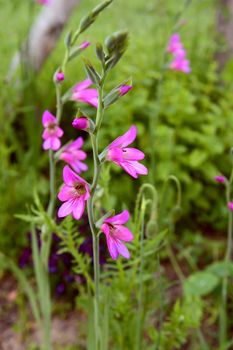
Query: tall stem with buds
point(91, 216)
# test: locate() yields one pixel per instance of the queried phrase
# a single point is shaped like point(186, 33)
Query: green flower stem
point(91, 218)
point(223, 318)
point(43, 281)
point(139, 327)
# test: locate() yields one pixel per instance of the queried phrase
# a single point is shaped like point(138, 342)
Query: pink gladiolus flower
point(60, 76)
point(81, 123)
point(73, 155)
point(81, 93)
point(220, 178)
point(74, 193)
point(230, 206)
point(174, 44)
point(115, 233)
point(124, 89)
point(127, 158)
point(52, 132)
point(179, 62)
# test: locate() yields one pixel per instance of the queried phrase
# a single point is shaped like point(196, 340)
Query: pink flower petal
point(82, 85)
point(121, 218)
point(55, 143)
point(59, 131)
point(65, 193)
point(123, 233)
point(45, 134)
point(127, 166)
point(48, 118)
point(78, 143)
point(133, 154)
point(79, 166)
point(88, 96)
point(115, 154)
point(140, 168)
point(65, 209)
point(105, 229)
point(69, 176)
point(122, 249)
point(126, 139)
point(78, 208)
point(112, 247)
point(47, 144)
point(87, 194)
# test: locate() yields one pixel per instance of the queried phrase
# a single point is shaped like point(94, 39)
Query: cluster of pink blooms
point(179, 62)
point(75, 191)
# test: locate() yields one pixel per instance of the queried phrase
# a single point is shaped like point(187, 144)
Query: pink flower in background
point(52, 132)
point(127, 158)
point(230, 206)
point(74, 193)
point(82, 93)
point(115, 233)
point(179, 62)
point(73, 155)
point(174, 44)
point(43, 2)
point(81, 123)
point(220, 178)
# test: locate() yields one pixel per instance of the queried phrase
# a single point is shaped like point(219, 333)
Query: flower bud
point(60, 76)
point(176, 213)
point(124, 89)
point(84, 45)
point(83, 123)
point(220, 178)
point(151, 228)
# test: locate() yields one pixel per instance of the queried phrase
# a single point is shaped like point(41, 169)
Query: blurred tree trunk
point(47, 29)
point(43, 35)
point(225, 28)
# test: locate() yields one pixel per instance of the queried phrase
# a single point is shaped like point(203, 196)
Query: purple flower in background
point(73, 155)
point(82, 93)
point(53, 261)
point(52, 132)
point(60, 288)
point(220, 178)
point(127, 158)
point(25, 258)
point(115, 233)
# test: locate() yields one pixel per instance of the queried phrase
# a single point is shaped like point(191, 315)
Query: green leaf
point(200, 284)
point(221, 269)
